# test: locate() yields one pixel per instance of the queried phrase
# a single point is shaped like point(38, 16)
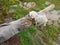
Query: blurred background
point(15, 9)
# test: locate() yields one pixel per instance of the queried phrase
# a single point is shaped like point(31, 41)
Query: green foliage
point(19, 12)
point(51, 31)
point(5, 7)
point(9, 2)
point(56, 1)
point(27, 36)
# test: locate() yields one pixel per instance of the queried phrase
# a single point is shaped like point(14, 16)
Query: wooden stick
point(8, 31)
point(52, 6)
